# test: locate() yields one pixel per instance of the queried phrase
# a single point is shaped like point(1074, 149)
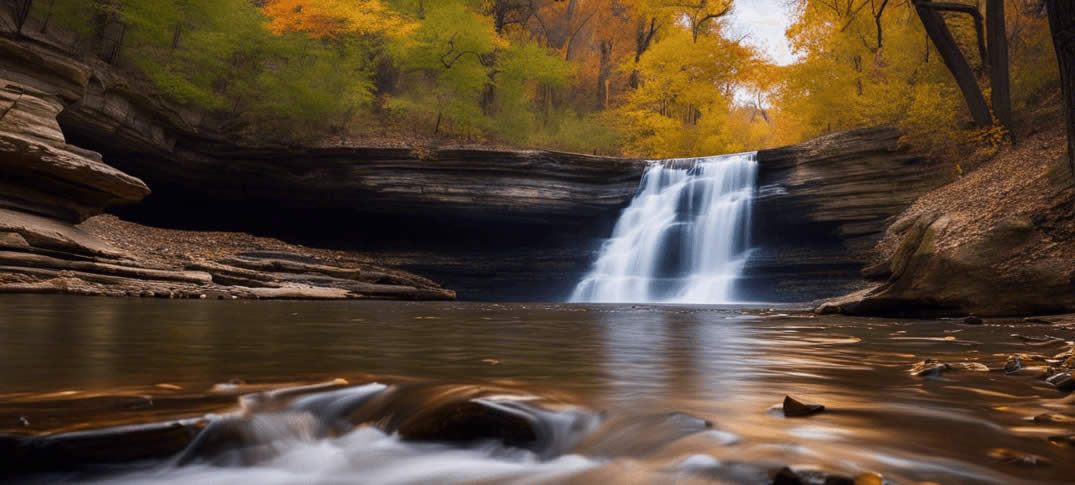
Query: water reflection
point(711, 362)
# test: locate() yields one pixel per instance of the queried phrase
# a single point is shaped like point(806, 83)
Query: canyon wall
point(823, 205)
point(491, 224)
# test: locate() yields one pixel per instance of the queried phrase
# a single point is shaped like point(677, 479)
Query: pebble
point(1040, 321)
point(1062, 381)
point(973, 320)
point(1063, 440)
point(1013, 365)
point(1050, 418)
point(796, 409)
point(929, 368)
point(934, 368)
point(786, 477)
point(1005, 455)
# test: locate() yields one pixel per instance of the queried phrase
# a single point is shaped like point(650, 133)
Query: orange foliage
point(330, 18)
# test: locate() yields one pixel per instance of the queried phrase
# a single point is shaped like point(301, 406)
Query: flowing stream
point(683, 239)
point(477, 393)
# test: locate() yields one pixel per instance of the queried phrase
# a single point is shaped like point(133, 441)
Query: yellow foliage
point(330, 18)
point(684, 100)
point(848, 78)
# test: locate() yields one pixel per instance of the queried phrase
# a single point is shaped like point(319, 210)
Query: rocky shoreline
point(167, 263)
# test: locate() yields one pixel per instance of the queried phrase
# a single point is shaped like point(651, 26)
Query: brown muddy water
point(512, 393)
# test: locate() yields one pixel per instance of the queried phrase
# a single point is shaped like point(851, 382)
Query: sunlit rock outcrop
point(1000, 241)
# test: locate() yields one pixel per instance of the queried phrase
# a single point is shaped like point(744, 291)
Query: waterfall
point(683, 239)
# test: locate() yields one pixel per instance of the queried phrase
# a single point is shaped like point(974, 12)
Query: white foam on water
point(368, 455)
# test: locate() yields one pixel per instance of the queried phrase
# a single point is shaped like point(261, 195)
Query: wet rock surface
point(793, 408)
point(933, 368)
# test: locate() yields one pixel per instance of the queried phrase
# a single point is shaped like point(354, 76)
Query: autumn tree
point(941, 36)
point(862, 64)
point(700, 14)
point(685, 96)
point(332, 18)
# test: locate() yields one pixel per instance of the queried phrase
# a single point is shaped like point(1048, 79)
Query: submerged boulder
point(466, 413)
point(1062, 381)
point(107, 446)
point(934, 368)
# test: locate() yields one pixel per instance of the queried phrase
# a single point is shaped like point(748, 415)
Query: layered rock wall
point(1000, 241)
point(822, 206)
point(47, 186)
point(493, 224)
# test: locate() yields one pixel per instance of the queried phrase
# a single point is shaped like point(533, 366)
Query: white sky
point(764, 23)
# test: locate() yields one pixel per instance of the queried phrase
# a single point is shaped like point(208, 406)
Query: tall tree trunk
point(973, 11)
point(956, 63)
point(118, 46)
point(175, 35)
point(998, 62)
point(604, 70)
point(22, 12)
point(1062, 24)
point(643, 38)
point(877, 22)
point(567, 24)
point(488, 101)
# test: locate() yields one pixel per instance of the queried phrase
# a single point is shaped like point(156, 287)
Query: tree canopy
point(653, 78)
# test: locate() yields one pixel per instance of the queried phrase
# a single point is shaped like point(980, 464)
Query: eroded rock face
point(983, 276)
point(517, 225)
point(822, 206)
point(998, 242)
point(48, 185)
point(45, 175)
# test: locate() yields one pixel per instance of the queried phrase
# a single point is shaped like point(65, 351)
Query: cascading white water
point(683, 239)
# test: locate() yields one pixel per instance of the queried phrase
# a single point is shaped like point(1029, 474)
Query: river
point(73, 363)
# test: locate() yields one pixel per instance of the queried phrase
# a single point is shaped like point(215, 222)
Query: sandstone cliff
point(1000, 241)
point(517, 225)
point(823, 204)
point(48, 185)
